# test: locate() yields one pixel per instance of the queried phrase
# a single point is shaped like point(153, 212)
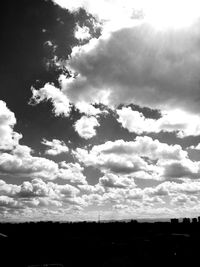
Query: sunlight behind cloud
point(171, 14)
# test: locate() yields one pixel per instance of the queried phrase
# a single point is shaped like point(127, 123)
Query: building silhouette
point(194, 220)
point(174, 221)
point(186, 220)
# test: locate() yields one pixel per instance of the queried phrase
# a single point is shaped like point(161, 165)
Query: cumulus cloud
point(152, 197)
point(8, 137)
point(143, 146)
point(59, 100)
point(21, 162)
point(85, 126)
point(112, 180)
point(139, 65)
point(36, 195)
point(87, 109)
point(124, 164)
point(180, 169)
point(143, 158)
point(39, 188)
point(178, 121)
point(18, 161)
point(8, 202)
point(184, 200)
point(191, 187)
point(8, 189)
point(89, 189)
point(82, 33)
point(56, 147)
point(72, 172)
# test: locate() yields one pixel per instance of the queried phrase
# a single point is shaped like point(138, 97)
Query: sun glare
point(174, 14)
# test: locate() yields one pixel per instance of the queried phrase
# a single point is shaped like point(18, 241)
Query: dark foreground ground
point(99, 244)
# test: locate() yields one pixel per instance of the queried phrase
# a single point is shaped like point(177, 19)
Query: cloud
point(39, 188)
point(121, 164)
point(191, 187)
point(35, 188)
point(112, 180)
point(82, 33)
point(87, 109)
point(85, 126)
point(8, 189)
point(59, 100)
point(21, 162)
point(72, 172)
point(8, 202)
point(36, 195)
point(180, 169)
point(152, 197)
point(143, 158)
point(183, 123)
point(152, 12)
point(105, 10)
point(56, 147)
point(138, 65)
point(8, 138)
point(197, 147)
point(89, 189)
point(184, 200)
point(143, 146)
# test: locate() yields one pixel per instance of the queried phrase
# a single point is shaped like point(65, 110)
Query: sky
point(99, 110)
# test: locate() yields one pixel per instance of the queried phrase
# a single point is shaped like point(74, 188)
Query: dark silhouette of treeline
point(99, 243)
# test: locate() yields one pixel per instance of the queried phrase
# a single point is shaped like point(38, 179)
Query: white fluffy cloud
point(21, 162)
point(56, 147)
point(8, 202)
point(8, 189)
point(82, 33)
point(59, 100)
point(87, 109)
point(112, 180)
point(172, 121)
point(37, 194)
point(122, 164)
point(85, 126)
point(143, 158)
point(143, 146)
point(72, 172)
point(39, 188)
point(8, 138)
